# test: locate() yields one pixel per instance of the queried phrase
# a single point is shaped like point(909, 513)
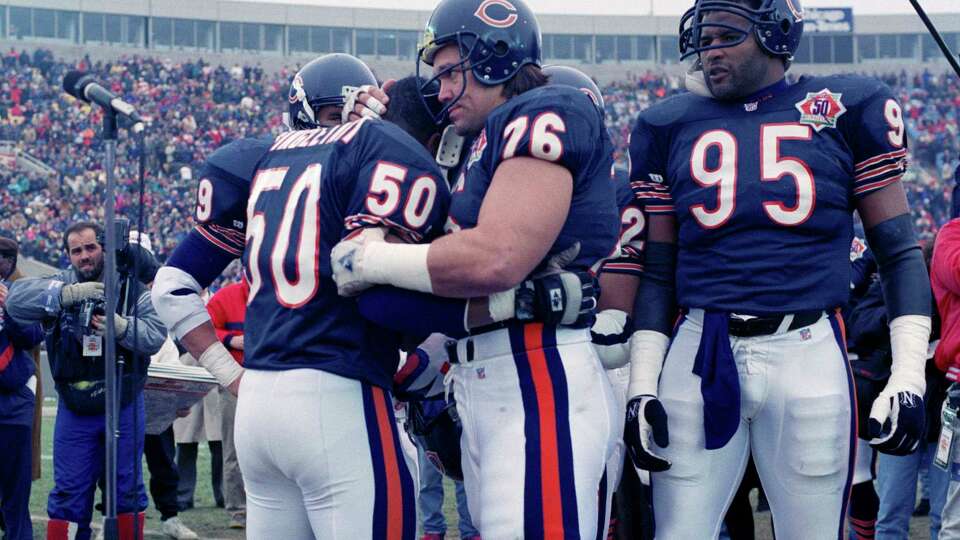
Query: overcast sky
point(642, 7)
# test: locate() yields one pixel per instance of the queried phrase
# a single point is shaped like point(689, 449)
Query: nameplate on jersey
point(821, 109)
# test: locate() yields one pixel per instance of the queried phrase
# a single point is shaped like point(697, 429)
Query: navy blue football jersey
point(560, 125)
point(312, 189)
point(763, 192)
point(222, 192)
point(633, 231)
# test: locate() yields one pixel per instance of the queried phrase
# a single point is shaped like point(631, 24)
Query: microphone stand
point(112, 394)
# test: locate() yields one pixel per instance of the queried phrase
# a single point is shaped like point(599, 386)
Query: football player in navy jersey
point(539, 420)
point(316, 95)
point(749, 184)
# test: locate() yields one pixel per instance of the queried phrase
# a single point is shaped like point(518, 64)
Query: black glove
point(903, 428)
point(564, 298)
point(646, 418)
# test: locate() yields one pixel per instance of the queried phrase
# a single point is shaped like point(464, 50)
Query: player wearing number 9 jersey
point(749, 186)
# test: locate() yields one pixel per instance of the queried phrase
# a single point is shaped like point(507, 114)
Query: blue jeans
point(897, 489)
point(431, 501)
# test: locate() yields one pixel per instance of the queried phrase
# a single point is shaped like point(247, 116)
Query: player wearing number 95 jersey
point(749, 185)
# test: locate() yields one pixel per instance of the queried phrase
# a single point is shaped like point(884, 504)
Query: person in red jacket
point(227, 308)
point(945, 279)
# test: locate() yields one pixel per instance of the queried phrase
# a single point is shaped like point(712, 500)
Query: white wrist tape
point(502, 305)
point(220, 363)
point(648, 349)
point(400, 265)
point(909, 338)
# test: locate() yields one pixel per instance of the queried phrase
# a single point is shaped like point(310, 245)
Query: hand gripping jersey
point(559, 125)
point(763, 191)
point(311, 189)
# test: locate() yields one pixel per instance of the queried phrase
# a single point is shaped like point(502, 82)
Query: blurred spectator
point(196, 107)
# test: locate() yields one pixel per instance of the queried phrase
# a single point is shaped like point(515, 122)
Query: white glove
point(371, 106)
point(346, 260)
point(75, 293)
point(611, 338)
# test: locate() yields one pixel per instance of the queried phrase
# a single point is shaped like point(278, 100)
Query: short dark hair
point(529, 77)
point(81, 226)
point(408, 111)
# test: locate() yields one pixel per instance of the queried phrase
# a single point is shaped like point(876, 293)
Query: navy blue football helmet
point(496, 38)
point(568, 76)
point(435, 427)
point(777, 25)
point(323, 81)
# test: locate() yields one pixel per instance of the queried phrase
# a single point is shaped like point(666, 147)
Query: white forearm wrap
point(400, 265)
point(909, 338)
point(648, 349)
point(180, 313)
point(502, 305)
point(220, 363)
point(610, 322)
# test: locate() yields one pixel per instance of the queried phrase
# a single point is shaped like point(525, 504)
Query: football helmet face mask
point(495, 39)
point(324, 81)
point(435, 427)
point(568, 76)
point(777, 25)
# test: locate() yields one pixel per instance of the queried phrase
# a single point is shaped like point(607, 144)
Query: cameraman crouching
point(70, 305)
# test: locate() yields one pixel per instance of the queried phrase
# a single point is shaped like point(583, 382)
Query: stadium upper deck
point(601, 43)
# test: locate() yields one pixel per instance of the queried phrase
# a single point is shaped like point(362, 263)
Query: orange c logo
point(506, 22)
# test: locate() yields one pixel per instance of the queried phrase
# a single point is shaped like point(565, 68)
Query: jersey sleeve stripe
point(659, 209)
point(879, 171)
point(224, 242)
point(882, 157)
point(623, 268)
point(873, 186)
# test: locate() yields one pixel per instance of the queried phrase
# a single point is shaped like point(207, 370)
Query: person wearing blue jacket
point(17, 398)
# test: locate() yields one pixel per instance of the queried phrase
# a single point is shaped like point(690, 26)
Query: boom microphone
point(83, 86)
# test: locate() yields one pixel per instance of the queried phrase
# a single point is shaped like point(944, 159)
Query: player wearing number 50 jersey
point(314, 366)
point(749, 188)
point(315, 432)
point(315, 98)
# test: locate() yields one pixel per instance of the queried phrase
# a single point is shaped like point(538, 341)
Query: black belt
point(768, 324)
point(453, 356)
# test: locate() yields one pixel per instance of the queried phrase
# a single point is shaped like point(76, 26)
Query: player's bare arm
point(520, 218)
point(505, 246)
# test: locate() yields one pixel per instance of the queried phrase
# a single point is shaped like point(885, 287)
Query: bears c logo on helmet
point(505, 22)
point(297, 92)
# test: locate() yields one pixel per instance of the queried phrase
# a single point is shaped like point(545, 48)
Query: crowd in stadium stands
point(195, 107)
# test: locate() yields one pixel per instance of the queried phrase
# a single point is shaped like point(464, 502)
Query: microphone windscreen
point(73, 83)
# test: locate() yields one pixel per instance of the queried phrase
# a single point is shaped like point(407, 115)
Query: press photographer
point(71, 307)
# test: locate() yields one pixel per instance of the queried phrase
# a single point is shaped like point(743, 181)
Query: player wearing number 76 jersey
point(749, 185)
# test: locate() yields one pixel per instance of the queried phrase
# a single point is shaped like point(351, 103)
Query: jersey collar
point(753, 101)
